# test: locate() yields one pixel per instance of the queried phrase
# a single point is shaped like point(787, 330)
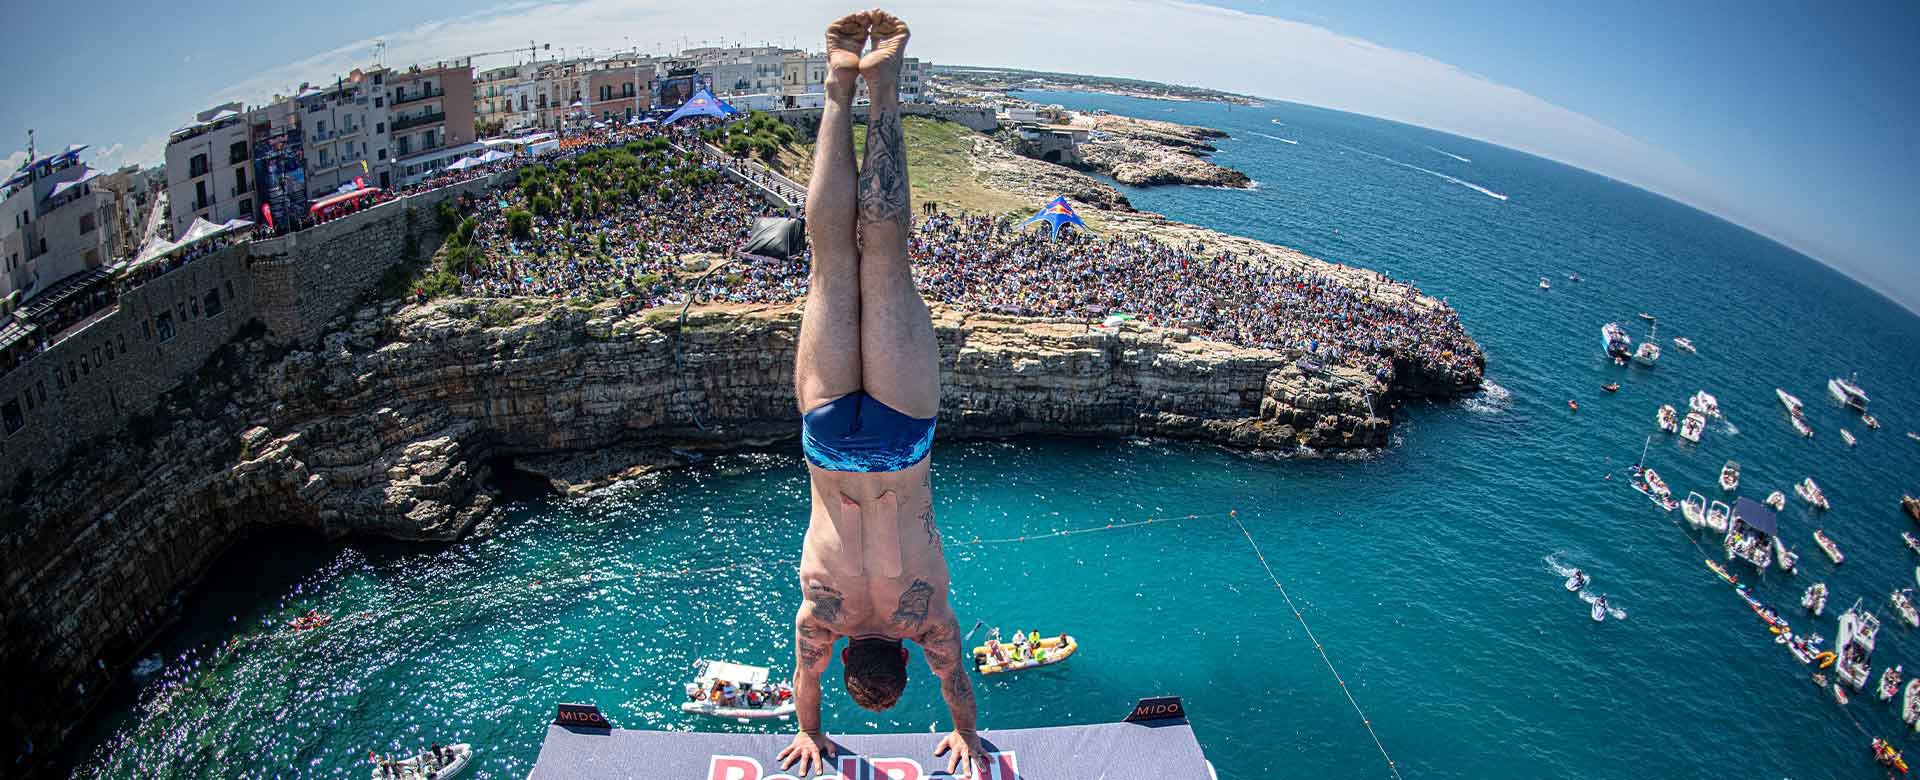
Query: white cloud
point(14, 161)
point(1161, 40)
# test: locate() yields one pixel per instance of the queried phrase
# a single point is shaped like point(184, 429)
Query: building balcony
point(403, 99)
point(202, 205)
point(239, 190)
point(407, 122)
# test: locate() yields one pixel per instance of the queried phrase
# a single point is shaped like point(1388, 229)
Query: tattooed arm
point(884, 199)
point(812, 647)
point(941, 644)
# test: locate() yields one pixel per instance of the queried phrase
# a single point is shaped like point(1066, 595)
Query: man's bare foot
point(881, 67)
point(846, 39)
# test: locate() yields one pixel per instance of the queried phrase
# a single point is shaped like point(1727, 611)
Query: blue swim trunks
point(855, 432)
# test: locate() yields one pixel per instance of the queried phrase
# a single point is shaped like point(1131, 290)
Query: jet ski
point(1577, 580)
point(1600, 609)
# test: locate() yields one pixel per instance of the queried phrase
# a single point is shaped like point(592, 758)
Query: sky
point(1792, 119)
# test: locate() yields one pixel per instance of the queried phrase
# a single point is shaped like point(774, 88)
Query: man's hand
point(963, 752)
point(812, 751)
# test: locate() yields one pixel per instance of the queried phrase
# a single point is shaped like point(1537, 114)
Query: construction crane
point(533, 51)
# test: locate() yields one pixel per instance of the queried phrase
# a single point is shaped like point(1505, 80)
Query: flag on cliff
point(1056, 213)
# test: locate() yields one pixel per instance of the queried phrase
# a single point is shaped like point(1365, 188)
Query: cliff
point(1148, 152)
point(387, 428)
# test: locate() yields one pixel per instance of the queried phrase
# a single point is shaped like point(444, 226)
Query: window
point(197, 166)
point(377, 77)
point(163, 324)
point(380, 155)
point(123, 343)
point(200, 199)
point(29, 396)
point(377, 101)
point(237, 153)
point(86, 368)
point(246, 208)
point(195, 303)
point(239, 180)
point(13, 418)
point(213, 302)
point(380, 127)
point(229, 291)
point(40, 388)
point(86, 224)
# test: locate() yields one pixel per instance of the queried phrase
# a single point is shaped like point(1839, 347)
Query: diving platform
point(1154, 742)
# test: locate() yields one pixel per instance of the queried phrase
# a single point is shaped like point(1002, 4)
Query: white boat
point(1749, 534)
point(1695, 510)
point(1815, 599)
point(1718, 517)
point(1615, 341)
point(1801, 427)
point(705, 694)
point(1693, 426)
point(1684, 343)
point(1847, 436)
point(422, 766)
point(1910, 704)
point(1913, 436)
point(1577, 580)
point(1600, 608)
point(1848, 393)
point(1889, 684)
point(1903, 607)
point(1840, 693)
point(1913, 542)
point(1787, 560)
point(1648, 353)
point(1827, 546)
point(1872, 422)
point(1811, 494)
point(1730, 476)
point(1668, 419)
point(1858, 628)
point(1788, 400)
point(1544, 285)
point(1656, 485)
point(1704, 403)
point(1777, 500)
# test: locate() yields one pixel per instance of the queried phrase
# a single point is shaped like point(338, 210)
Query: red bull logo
point(1000, 766)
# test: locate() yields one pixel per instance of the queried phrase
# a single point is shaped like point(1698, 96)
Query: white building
point(209, 169)
point(58, 223)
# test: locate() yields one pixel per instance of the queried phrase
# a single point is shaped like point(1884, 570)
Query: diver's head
point(876, 671)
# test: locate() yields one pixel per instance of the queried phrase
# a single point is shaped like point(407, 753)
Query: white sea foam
point(1277, 138)
point(1492, 399)
point(1612, 611)
point(1278, 122)
point(1462, 182)
point(1449, 154)
point(1554, 565)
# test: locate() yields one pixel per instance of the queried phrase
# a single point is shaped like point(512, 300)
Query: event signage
point(1000, 766)
point(1157, 708)
point(585, 716)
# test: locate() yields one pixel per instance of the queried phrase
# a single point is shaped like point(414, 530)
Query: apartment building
point(494, 94)
point(620, 89)
point(58, 223)
point(803, 81)
point(345, 132)
point(210, 169)
point(431, 120)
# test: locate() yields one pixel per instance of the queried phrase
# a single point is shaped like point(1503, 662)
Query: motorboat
point(1668, 419)
point(1848, 393)
point(1788, 400)
point(1648, 353)
point(1811, 494)
point(1913, 542)
point(1691, 427)
point(1577, 580)
point(1840, 694)
point(1903, 607)
point(1847, 436)
point(1787, 560)
point(1694, 509)
point(1858, 628)
point(1611, 387)
point(1647, 317)
point(1684, 343)
point(1912, 507)
point(1801, 427)
point(1704, 403)
point(1815, 599)
point(1615, 340)
point(1872, 422)
point(1544, 285)
point(723, 689)
point(1750, 531)
point(1827, 546)
point(1889, 684)
point(1910, 702)
point(1600, 608)
point(1730, 476)
point(1655, 484)
point(1777, 500)
point(1717, 517)
point(1804, 650)
point(1910, 434)
point(1574, 277)
point(995, 657)
point(426, 765)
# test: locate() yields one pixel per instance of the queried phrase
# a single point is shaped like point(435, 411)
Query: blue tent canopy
point(1058, 212)
point(703, 103)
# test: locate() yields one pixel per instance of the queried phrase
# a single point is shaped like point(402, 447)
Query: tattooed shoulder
point(827, 602)
point(915, 601)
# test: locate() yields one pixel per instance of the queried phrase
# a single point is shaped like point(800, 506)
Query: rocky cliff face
point(1147, 152)
point(386, 429)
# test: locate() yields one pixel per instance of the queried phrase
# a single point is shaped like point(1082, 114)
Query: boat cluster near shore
point(1743, 537)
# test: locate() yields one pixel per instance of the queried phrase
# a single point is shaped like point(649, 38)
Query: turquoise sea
point(1427, 570)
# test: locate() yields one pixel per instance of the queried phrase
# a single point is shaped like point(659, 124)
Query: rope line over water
point(1317, 647)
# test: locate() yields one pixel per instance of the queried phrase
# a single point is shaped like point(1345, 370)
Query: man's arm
point(812, 647)
point(941, 644)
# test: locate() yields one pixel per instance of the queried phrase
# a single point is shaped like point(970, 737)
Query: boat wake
point(1277, 138)
point(1449, 154)
point(1492, 399)
point(1612, 611)
point(1462, 182)
point(1554, 565)
point(1727, 427)
point(148, 666)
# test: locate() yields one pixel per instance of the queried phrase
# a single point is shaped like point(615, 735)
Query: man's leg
point(900, 363)
point(828, 362)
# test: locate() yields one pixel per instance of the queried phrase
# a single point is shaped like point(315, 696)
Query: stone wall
point(981, 118)
point(91, 384)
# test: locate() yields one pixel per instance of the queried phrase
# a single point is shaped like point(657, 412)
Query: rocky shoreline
point(1148, 152)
